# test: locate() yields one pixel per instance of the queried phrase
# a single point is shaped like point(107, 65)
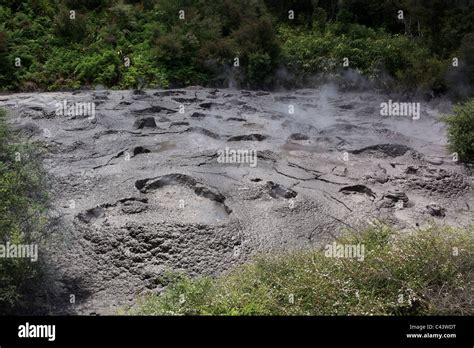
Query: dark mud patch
point(279, 191)
point(237, 119)
point(390, 150)
point(358, 189)
point(203, 131)
point(168, 93)
point(298, 136)
point(249, 137)
point(154, 110)
point(146, 122)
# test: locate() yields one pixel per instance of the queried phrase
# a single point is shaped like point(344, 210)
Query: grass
point(422, 272)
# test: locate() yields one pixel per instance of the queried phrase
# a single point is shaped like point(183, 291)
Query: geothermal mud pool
point(140, 189)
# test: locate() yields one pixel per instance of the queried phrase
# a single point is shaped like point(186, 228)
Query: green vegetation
point(422, 272)
point(58, 51)
point(374, 53)
point(461, 130)
point(22, 216)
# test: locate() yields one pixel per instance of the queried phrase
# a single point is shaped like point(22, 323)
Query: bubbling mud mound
point(198, 180)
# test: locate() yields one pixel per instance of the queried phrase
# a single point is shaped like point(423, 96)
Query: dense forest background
point(427, 48)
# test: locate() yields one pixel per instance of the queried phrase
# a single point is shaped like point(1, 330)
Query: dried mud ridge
point(138, 191)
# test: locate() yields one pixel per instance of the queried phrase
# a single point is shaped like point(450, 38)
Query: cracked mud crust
point(138, 190)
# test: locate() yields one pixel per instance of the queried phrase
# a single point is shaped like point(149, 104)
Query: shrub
point(259, 68)
point(178, 52)
point(99, 68)
point(371, 52)
point(6, 64)
point(123, 16)
point(467, 55)
point(257, 48)
point(141, 72)
point(213, 34)
point(22, 217)
point(461, 130)
point(415, 273)
point(70, 29)
point(58, 71)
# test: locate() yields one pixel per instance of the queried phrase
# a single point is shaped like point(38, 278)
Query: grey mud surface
point(138, 190)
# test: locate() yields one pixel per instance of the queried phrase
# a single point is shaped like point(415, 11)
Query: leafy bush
point(22, 216)
point(178, 53)
point(123, 16)
point(467, 55)
point(102, 68)
point(259, 68)
point(213, 34)
point(415, 273)
point(461, 130)
point(6, 63)
point(141, 72)
point(58, 71)
point(70, 29)
point(369, 51)
point(256, 46)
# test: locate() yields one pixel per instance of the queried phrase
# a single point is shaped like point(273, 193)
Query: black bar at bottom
point(413, 331)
